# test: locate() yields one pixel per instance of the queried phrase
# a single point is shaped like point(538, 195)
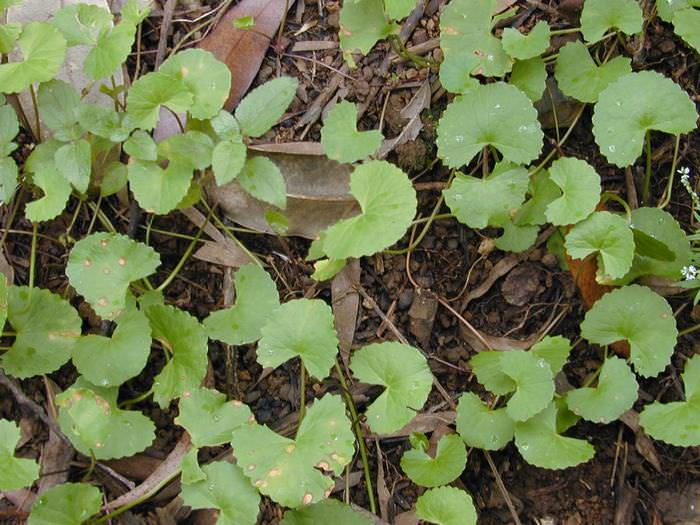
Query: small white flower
point(685, 170)
point(689, 273)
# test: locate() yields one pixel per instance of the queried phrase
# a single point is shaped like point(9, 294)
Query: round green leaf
point(150, 92)
point(59, 104)
point(578, 76)
point(527, 46)
point(66, 504)
point(404, 372)
point(114, 179)
point(290, 471)
point(227, 490)
point(388, 203)
point(667, 8)
point(222, 416)
point(446, 506)
point(191, 471)
point(263, 107)
point(186, 341)
point(615, 394)
point(159, 190)
point(480, 202)
point(9, 33)
point(47, 329)
point(208, 79)
point(481, 427)
point(9, 128)
point(543, 191)
point(554, 350)
point(95, 426)
point(103, 265)
point(620, 121)
point(362, 24)
point(228, 159)
point(8, 179)
point(580, 187)
point(191, 148)
point(445, 467)
point(600, 15)
point(515, 238)
point(610, 236)
point(339, 136)
point(498, 115)
point(140, 145)
point(676, 423)
point(16, 473)
point(263, 180)
point(110, 361)
point(43, 49)
point(111, 50)
point(639, 316)
point(82, 24)
point(540, 444)
point(399, 9)
point(74, 162)
point(46, 176)
point(325, 511)
point(256, 299)
point(529, 76)
point(686, 24)
point(304, 328)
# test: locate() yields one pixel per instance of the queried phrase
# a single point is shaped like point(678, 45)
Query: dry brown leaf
point(346, 302)
point(642, 442)
point(318, 195)
point(222, 250)
point(412, 111)
point(243, 50)
point(424, 422)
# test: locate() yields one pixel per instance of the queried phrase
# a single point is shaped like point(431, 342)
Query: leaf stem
point(609, 196)
point(669, 187)
point(136, 399)
point(689, 330)
point(568, 31)
point(359, 435)
point(647, 173)
point(35, 103)
point(32, 255)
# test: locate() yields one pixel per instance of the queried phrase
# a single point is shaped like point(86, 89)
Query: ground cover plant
point(113, 324)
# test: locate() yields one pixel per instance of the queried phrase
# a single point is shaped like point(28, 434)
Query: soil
point(621, 484)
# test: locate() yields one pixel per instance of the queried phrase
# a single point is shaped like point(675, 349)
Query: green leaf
point(114, 179)
point(159, 190)
point(110, 361)
point(615, 394)
point(222, 416)
point(227, 490)
point(140, 145)
point(339, 136)
point(388, 203)
point(185, 341)
point(228, 159)
point(9, 33)
point(554, 350)
point(16, 473)
point(529, 375)
point(610, 237)
point(136, 11)
point(103, 265)
point(8, 179)
point(326, 269)
point(256, 299)
point(263, 180)
point(639, 316)
point(527, 46)
point(649, 259)
point(95, 426)
point(9, 128)
point(676, 423)
point(263, 107)
point(152, 91)
point(578, 76)
point(404, 371)
point(192, 148)
point(303, 328)
point(480, 202)
point(66, 504)
point(43, 49)
point(74, 162)
point(59, 103)
point(244, 22)
point(208, 79)
point(102, 121)
point(56, 188)
point(580, 186)
point(543, 192)
point(47, 329)
point(445, 467)
point(325, 511)
point(191, 471)
point(82, 24)
point(529, 76)
point(667, 8)
point(446, 506)
point(515, 238)
point(686, 24)
point(362, 24)
point(620, 121)
point(600, 15)
point(482, 427)
point(540, 444)
point(498, 115)
point(291, 471)
point(4, 291)
point(226, 126)
point(112, 49)
point(399, 9)
point(468, 45)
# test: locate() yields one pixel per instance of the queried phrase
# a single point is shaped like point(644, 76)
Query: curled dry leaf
point(318, 194)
